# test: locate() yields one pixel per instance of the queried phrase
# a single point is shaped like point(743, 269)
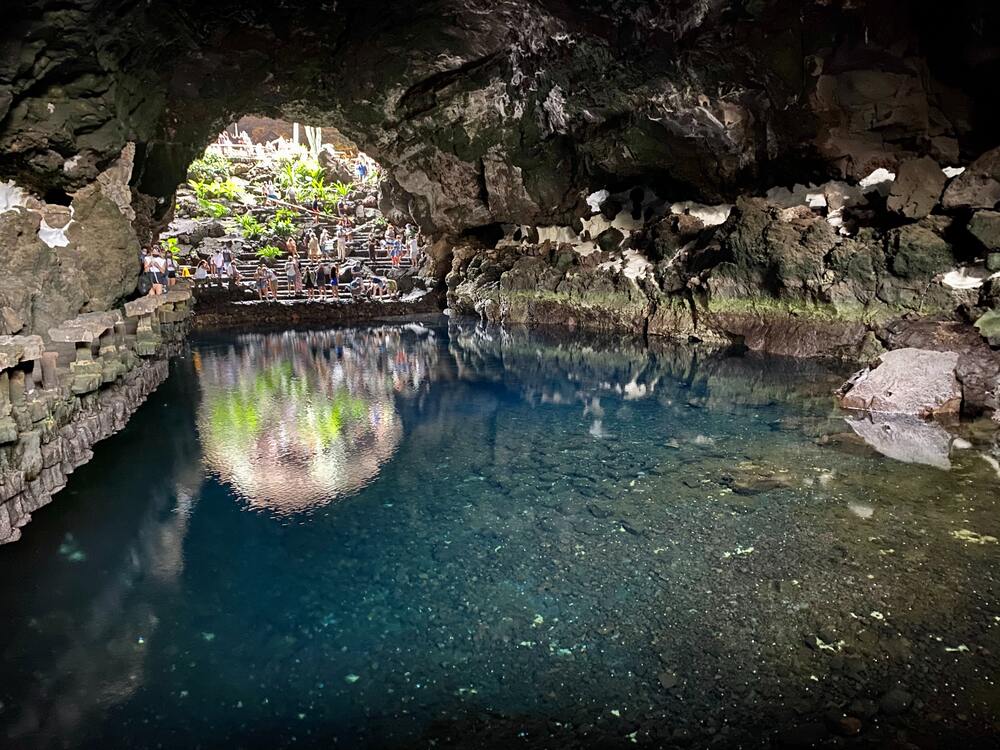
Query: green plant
point(252, 229)
point(342, 189)
point(200, 188)
point(170, 245)
point(286, 214)
point(210, 167)
point(211, 208)
point(269, 252)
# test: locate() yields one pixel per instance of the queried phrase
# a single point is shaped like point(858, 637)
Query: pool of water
point(417, 535)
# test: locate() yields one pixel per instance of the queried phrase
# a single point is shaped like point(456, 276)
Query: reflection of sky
point(292, 421)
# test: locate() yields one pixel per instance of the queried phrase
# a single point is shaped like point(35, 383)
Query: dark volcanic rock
point(490, 112)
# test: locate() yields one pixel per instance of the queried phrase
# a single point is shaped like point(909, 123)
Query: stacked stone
point(51, 416)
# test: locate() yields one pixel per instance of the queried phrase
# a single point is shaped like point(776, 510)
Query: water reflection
point(293, 421)
point(561, 528)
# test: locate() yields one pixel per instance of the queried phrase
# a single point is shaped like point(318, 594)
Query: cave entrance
point(280, 210)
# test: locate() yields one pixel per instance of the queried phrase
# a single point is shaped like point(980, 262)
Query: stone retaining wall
point(58, 399)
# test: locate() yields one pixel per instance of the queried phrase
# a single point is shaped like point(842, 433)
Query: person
point(292, 247)
point(272, 191)
point(218, 264)
point(324, 238)
point(235, 277)
point(323, 278)
point(290, 194)
point(171, 269)
point(377, 286)
point(315, 205)
point(314, 253)
point(413, 246)
point(334, 282)
point(291, 272)
point(156, 266)
point(341, 245)
point(372, 247)
point(310, 281)
point(362, 170)
point(272, 283)
point(202, 271)
point(260, 277)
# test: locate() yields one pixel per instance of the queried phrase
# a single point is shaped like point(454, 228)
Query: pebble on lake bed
point(972, 537)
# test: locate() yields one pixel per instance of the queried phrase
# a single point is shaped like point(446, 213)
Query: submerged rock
point(906, 381)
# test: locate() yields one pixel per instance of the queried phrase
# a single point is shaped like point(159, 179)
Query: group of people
point(317, 279)
point(160, 269)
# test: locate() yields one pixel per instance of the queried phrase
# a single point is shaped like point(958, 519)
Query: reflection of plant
point(252, 229)
point(210, 167)
point(170, 245)
point(211, 208)
point(269, 252)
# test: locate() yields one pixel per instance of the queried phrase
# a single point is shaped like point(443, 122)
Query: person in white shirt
point(218, 264)
point(156, 266)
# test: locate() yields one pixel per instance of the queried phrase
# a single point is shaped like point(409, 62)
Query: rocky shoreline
point(217, 309)
point(57, 400)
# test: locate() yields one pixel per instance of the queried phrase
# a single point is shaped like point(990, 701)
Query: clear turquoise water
point(415, 536)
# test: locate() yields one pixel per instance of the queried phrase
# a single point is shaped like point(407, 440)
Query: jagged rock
point(917, 188)
point(989, 326)
point(985, 227)
point(920, 382)
point(709, 94)
point(918, 252)
point(978, 186)
point(335, 169)
point(10, 321)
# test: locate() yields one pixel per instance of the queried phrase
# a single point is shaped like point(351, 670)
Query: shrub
point(252, 229)
point(269, 252)
point(211, 208)
point(170, 245)
point(210, 167)
point(342, 189)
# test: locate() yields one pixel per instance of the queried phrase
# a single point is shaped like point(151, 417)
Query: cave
point(499, 373)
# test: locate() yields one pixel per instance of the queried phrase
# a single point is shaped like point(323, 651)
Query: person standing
point(156, 266)
point(292, 247)
point(323, 278)
point(334, 283)
point(260, 278)
point(171, 269)
point(313, 245)
point(291, 272)
point(272, 283)
point(310, 281)
point(218, 264)
point(341, 245)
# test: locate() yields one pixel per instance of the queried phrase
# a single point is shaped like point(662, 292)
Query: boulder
point(985, 227)
point(920, 382)
point(978, 186)
point(988, 326)
point(335, 169)
point(917, 188)
point(919, 252)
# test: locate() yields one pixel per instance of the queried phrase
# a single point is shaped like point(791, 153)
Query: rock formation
point(789, 175)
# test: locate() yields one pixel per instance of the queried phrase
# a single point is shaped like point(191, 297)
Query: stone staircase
point(357, 255)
